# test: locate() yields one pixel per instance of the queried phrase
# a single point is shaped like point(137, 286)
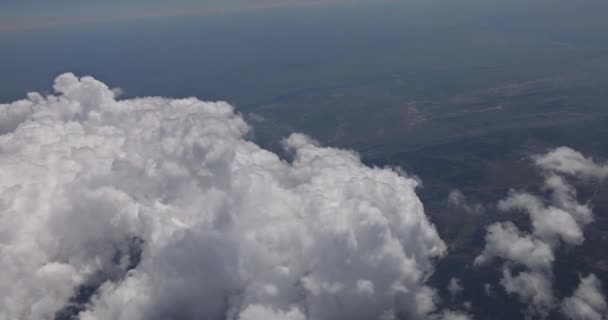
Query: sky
point(300, 45)
point(28, 15)
point(131, 187)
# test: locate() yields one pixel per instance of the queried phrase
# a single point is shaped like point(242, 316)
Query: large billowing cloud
point(156, 208)
point(556, 221)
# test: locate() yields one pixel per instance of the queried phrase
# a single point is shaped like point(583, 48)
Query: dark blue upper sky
point(247, 51)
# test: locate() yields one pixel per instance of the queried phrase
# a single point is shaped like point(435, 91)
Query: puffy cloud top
point(167, 211)
point(505, 240)
point(559, 220)
point(569, 161)
point(587, 302)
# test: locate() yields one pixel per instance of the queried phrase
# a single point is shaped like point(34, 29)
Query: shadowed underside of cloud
point(164, 211)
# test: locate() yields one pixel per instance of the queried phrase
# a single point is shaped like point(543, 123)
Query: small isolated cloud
point(504, 240)
point(587, 302)
point(455, 286)
point(568, 161)
point(558, 220)
point(551, 224)
point(455, 315)
point(533, 288)
point(458, 200)
point(257, 312)
point(488, 289)
point(164, 210)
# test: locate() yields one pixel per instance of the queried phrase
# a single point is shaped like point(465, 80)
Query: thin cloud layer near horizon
point(26, 15)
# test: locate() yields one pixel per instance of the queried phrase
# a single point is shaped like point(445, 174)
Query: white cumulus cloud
point(167, 211)
point(504, 240)
point(558, 220)
point(587, 302)
point(533, 288)
point(568, 161)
